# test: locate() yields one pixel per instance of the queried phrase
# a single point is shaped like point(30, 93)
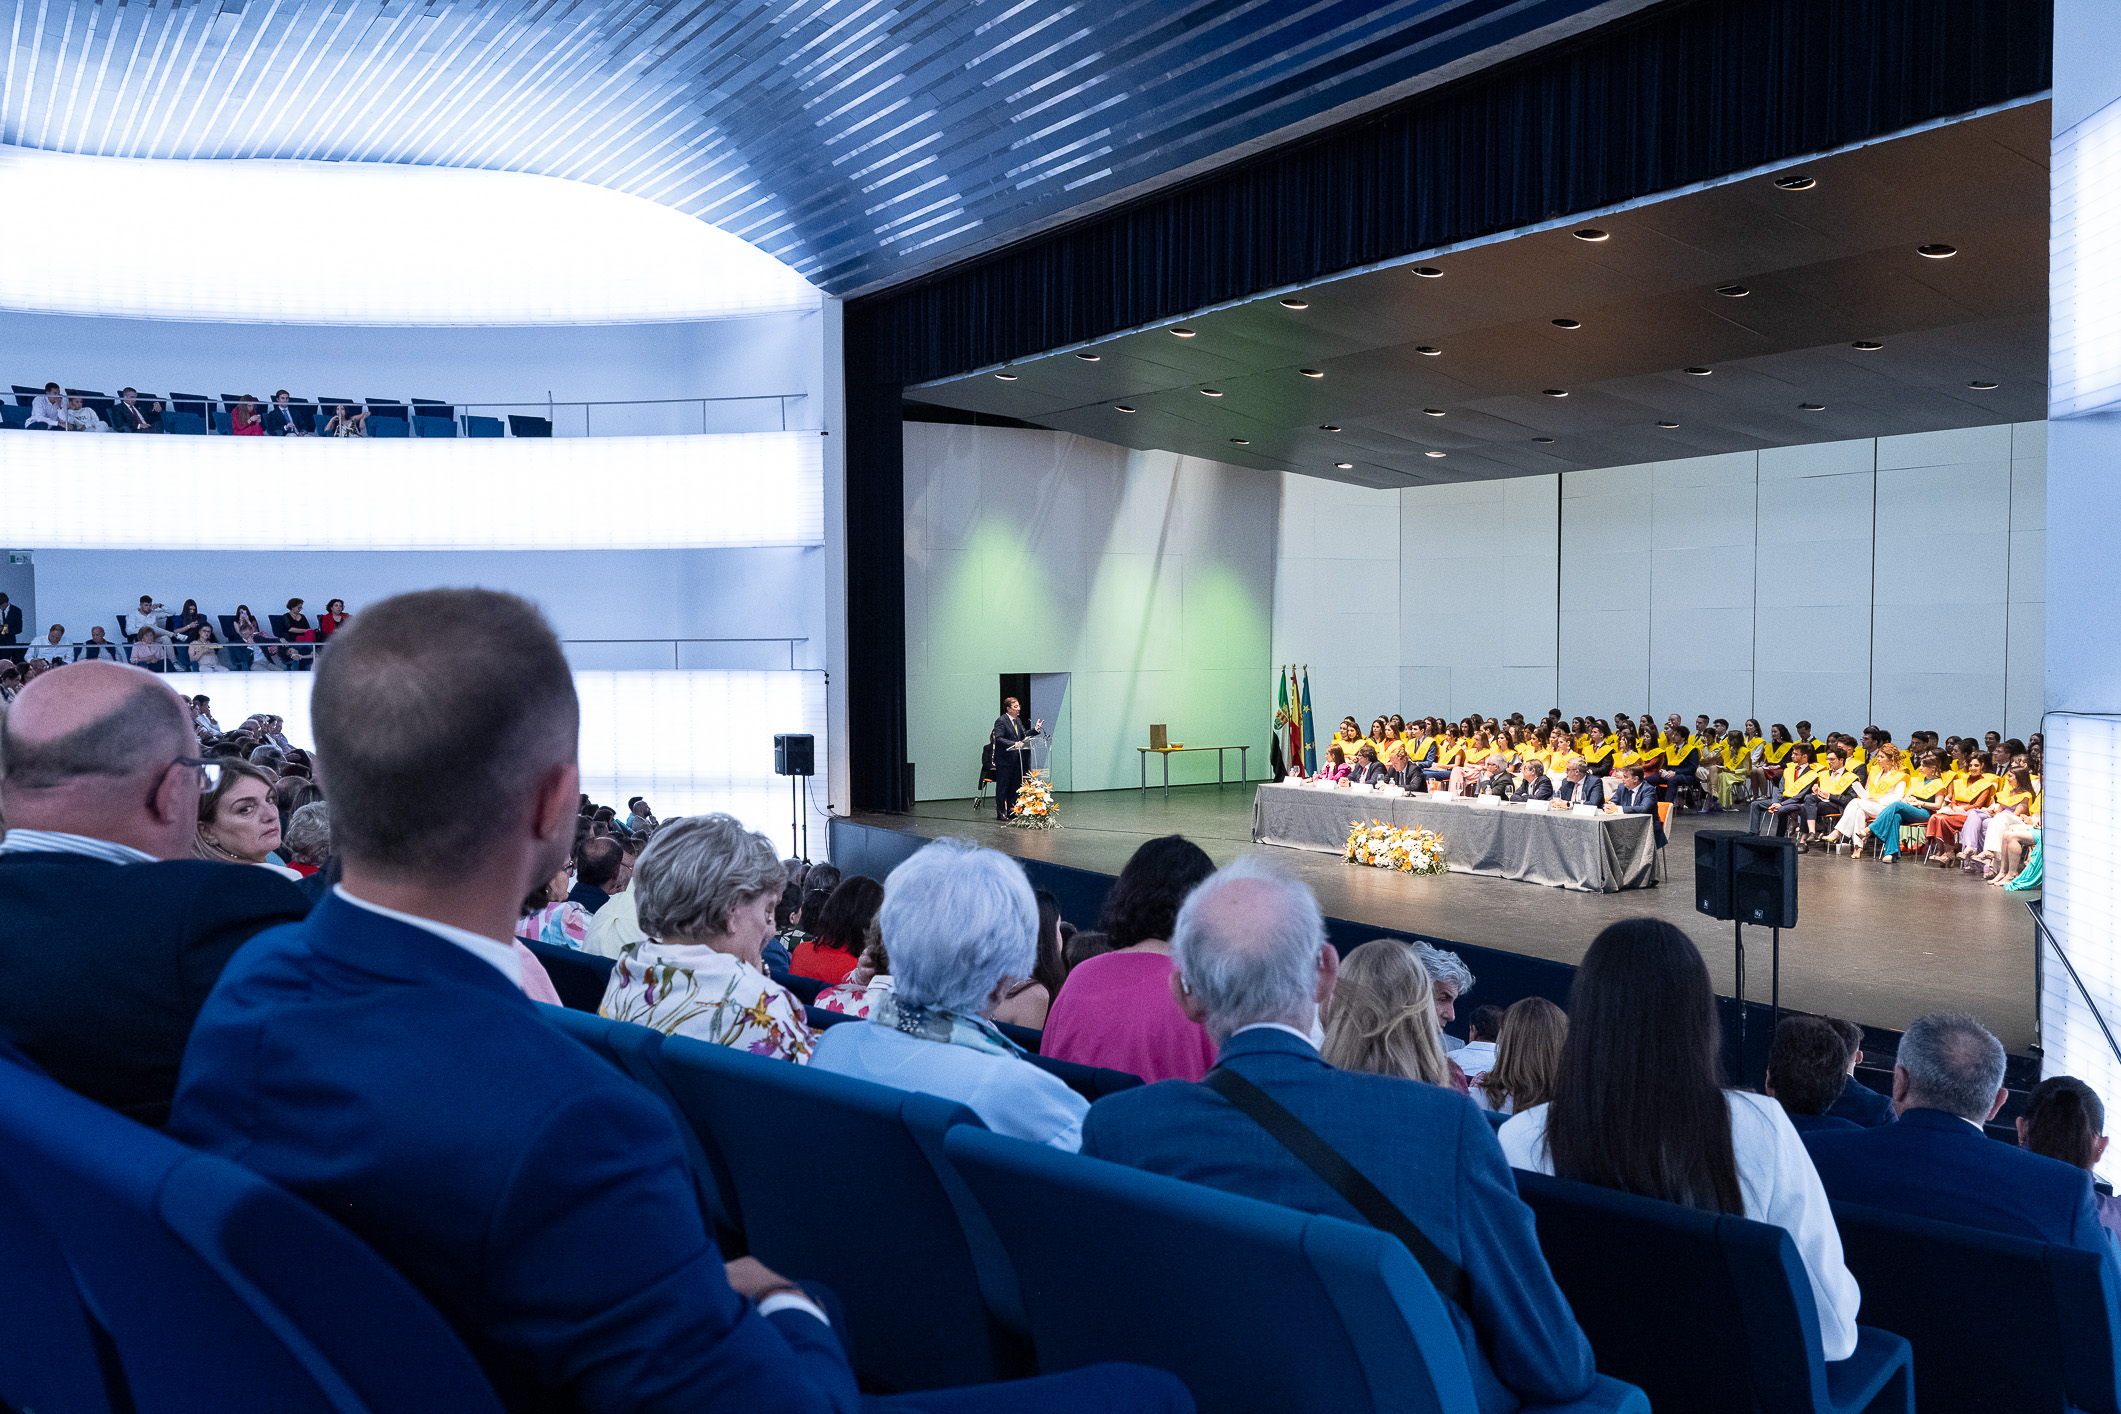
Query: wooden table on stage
point(1568, 849)
point(1244, 770)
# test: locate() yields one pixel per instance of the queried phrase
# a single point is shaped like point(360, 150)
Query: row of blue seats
point(189, 424)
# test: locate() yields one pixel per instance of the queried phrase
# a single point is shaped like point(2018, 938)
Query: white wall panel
point(1605, 588)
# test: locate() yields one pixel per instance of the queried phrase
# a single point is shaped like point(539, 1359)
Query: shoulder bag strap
point(1449, 1279)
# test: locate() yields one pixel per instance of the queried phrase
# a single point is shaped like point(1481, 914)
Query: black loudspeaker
point(1764, 881)
point(1712, 871)
point(792, 755)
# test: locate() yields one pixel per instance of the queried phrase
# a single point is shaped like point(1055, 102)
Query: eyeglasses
point(209, 772)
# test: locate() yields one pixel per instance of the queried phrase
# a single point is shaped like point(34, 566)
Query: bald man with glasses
point(114, 934)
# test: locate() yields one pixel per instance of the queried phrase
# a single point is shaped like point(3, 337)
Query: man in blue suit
point(1636, 796)
point(1253, 966)
point(1859, 1103)
point(1935, 1161)
point(381, 1059)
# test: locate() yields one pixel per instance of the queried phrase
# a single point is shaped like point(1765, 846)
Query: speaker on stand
point(794, 756)
point(1746, 878)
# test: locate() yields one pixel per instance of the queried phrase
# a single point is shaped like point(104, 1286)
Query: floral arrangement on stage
point(1409, 849)
point(1035, 809)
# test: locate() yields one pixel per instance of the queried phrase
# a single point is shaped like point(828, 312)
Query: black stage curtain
point(1682, 93)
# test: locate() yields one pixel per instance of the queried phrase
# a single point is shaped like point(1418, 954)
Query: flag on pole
point(1296, 726)
point(1311, 749)
point(1281, 720)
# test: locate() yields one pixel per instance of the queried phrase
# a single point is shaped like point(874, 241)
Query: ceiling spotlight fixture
point(1242, 441)
point(1798, 182)
point(1345, 466)
point(1121, 407)
point(1211, 392)
point(1184, 333)
point(1542, 439)
point(1592, 233)
point(1311, 372)
point(1811, 407)
point(1329, 427)
point(1433, 412)
point(1089, 357)
point(1698, 371)
point(1982, 385)
point(1733, 291)
point(1568, 324)
point(1006, 377)
point(1867, 345)
point(1555, 392)
point(1667, 425)
point(1428, 272)
point(1430, 349)
point(1296, 304)
point(1937, 250)
point(1432, 454)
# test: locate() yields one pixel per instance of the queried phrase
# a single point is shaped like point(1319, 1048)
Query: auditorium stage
point(1877, 943)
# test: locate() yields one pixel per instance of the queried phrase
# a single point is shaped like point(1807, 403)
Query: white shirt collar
point(1281, 1026)
point(501, 955)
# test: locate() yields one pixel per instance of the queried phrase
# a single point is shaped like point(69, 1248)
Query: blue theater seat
point(49, 1355)
point(223, 422)
point(520, 426)
point(24, 396)
point(434, 426)
point(845, 1182)
point(2000, 1324)
point(1706, 1312)
point(13, 415)
point(579, 977)
point(209, 1288)
point(1256, 1307)
point(476, 426)
point(387, 426)
point(183, 424)
point(240, 654)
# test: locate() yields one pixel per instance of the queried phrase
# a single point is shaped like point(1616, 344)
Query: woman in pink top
point(1116, 1009)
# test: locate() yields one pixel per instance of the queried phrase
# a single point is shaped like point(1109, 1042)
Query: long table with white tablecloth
point(1567, 849)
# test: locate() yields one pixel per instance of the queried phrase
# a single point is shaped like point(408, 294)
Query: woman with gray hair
point(308, 838)
point(960, 924)
point(704, 892)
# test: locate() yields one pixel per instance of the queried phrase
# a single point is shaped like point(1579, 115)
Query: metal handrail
point(316, 649)
point(550, 406)
point(2084, 991)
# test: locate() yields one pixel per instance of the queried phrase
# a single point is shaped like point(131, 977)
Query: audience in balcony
point(47, 411)
point(54, 647)
point(280, 418)
point(79, 417)
point(347, 421)
point(2065, 1120)
point(1639, 1105)
point(704, 893)
point(1254, 966)
point(333, 619)
point(245, 418)
point(129, 414)
point(1119, 1009)
point(147, 651)
point(959, 923)
point(1532, 1035)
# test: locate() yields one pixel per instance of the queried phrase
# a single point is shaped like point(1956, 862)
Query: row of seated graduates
point(197, 414)
point(1706, 1312)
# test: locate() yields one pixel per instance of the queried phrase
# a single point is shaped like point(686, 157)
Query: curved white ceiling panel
point(283, 242)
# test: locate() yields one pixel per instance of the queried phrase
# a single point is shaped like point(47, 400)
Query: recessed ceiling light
point(1329, 427)
point(1242, 441)
point(1311, 372)
point(1799, 182)
point(1121, 407)
point(1345, 466)
point(1811, 407)
point(1668, 425)
point(1184, 333)
point(1867, 345)
point(1567, 324)
point(1592, 233)
point(1296, 304)
point(1428, 272)
point(1006, 377)
point(1432, 454)
point(1982, 385)
point(1089, 357)
point(1211, 392)
point(1430, 349)
point(1937, 250)
point(1733, 291)
point(1698, 371)
point(1433, 412)
point(1542, 439)
point(1555, 392)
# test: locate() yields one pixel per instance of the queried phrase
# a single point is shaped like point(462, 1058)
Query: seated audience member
point(1477, 1056)
point(332, 619)
point(289, 794)
point(1829, 794)
point(1578, 786)
point(1532, 783)
point(47, 411)
point(618, 923)
point(1885, 783)
point(1773, 813)
point(129, 414)
point(79, 417)
point(1981, 838)
point(871, 978)
point(248, 631)
point(280, 418)
point(1366, 769)
point(1807, 1068)
point(1636, 796)
point(1639, 1106)
point(300, 657)
point(959, 921)
point(102, 797)
point(97, 646)
point(148, 652)
point(1255, 967)
point(1084, 945)
point(593, 875)
point(1936, 1162)
point(1452, 979)
point(1026, 1001)
point(238, 823)
point(1859, 1103)
point(1925, 792)
point(705, 898)
point(1527, 1057)
point(1381, 1016)
point(346, 421)
point(204, 649)
point(839, 928)
point(2064, 1120)
point(245, 419)
point(1972, 791)
point(548, 915)
point(1335, 769)
point(308, 838)
point(1117, 1009)
point(560, 1234)
point(52, 648)
point(640, 820)
point(1727, 767)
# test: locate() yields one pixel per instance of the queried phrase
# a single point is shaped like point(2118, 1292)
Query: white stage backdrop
point(688, 741)
point(112, 492)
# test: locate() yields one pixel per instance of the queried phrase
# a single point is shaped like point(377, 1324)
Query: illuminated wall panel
point(2082, 898)
point(61, 491)
point(2084, 285)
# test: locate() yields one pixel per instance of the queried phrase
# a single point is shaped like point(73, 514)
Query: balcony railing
point(587, 654)
point(547, 417)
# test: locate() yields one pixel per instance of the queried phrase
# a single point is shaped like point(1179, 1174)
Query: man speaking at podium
point(1012, 752)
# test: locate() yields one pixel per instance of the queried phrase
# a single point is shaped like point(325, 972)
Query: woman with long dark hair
point(1639, 1105)
point(838, 932)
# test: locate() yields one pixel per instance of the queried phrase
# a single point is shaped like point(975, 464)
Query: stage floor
point(1876, 943)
